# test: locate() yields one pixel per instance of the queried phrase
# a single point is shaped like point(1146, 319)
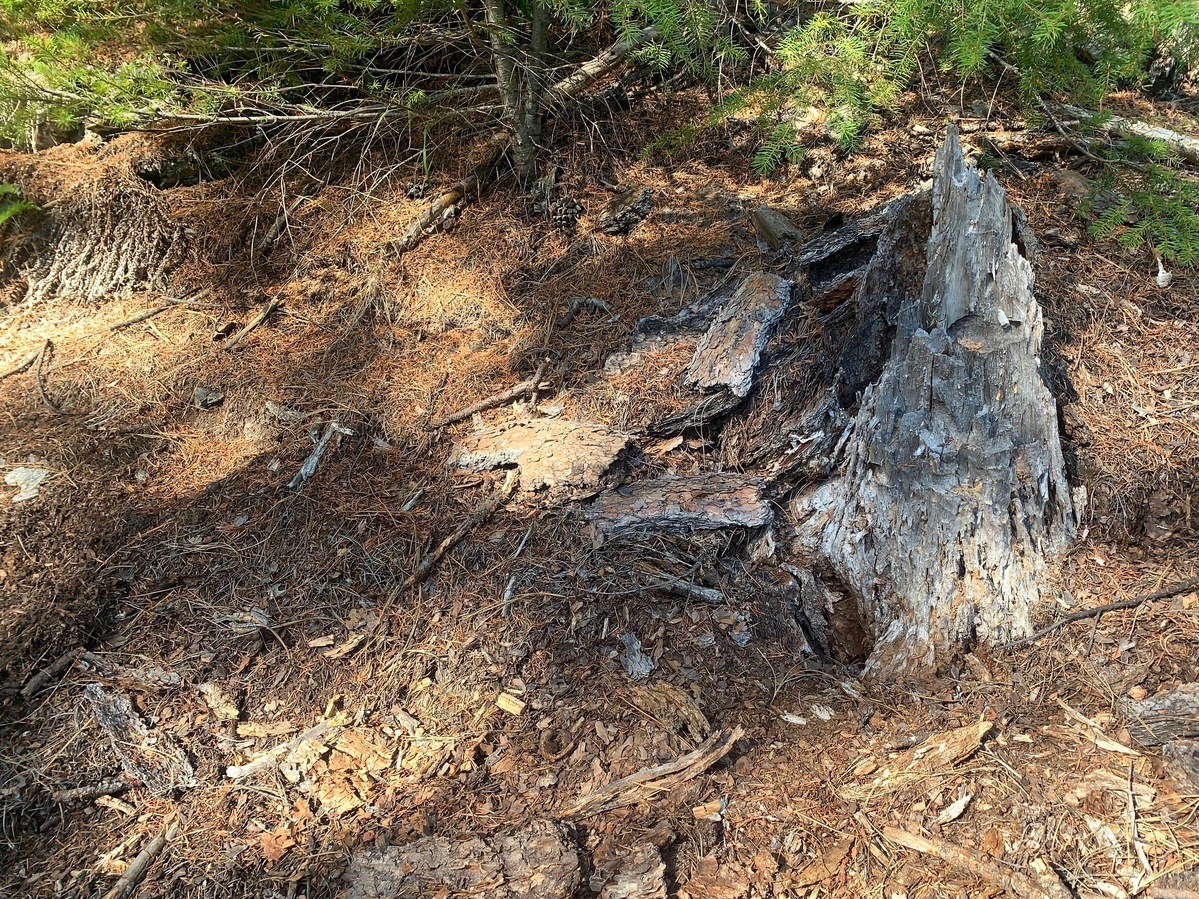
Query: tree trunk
point(953, 498)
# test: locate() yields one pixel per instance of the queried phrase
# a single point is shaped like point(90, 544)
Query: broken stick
point(654, 780)
point(136, 871)
point(90, 791)
point(1098, 611)
point(529, 386)
point(261, 317)
point(38, 682)
point(1043, 886)
point(22, 365)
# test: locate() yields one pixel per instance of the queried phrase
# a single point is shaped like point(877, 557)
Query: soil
point(168, 552)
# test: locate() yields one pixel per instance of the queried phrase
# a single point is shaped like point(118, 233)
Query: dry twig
point(1044, 886)
point(526, 387)
point(261, 317)
point(1096, 611)
point(22, 365)
point(137, 868)
point(38, 682)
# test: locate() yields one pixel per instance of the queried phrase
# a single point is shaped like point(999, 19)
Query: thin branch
point(525, 387)
point(1096, 611)
point(254, 323)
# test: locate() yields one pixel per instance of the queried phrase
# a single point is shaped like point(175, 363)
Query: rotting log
point(952, 502)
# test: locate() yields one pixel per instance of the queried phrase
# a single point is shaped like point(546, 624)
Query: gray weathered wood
point(680, 505)
point(150, 756)
point(953, 500)
point(728, 353)
point(1158, 719)
point(774, 227)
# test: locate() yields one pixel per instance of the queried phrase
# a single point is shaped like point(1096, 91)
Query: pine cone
point(565, 213)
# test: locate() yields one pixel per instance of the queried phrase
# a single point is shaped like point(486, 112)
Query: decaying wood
point(954, 502)
point(308, 467)
point(538, 861)
point(728, 354)
point(136, 872)
point(774, 227)
point(526, 387)
point(653, 781)
point(150, 756)
point(38, 682)
point(1182, 761)
point(1098, 611)
point(641, 874)
point(90, 791)
point(680, 505)
point(1159, 719)
point(551, 453)
point(267, 311)
point(1045, 885)
point(938, 754)
point(279, 755)
point(1184, 145)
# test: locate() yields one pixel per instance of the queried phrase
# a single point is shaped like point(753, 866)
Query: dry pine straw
point(527, 606)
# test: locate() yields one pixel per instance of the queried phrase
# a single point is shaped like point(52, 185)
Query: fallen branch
point(136, 871)
point(90, 791)
point(1098, 611)
point(1044, 886)
point(1185, 146)
point(524, 388)
point(485, 510)
point(22, 365)
point(254, 323)
point(308, 469)
point(158, 310)
point(276, 230)
point(631, 789)
point(275, 757)
point(38, 682)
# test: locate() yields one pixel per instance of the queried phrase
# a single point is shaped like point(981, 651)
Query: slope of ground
point(167, 551)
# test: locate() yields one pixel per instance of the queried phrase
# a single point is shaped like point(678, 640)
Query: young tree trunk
point(520, 71)
point(953, 500)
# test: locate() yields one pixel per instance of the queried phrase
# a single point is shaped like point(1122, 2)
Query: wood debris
point(538, 861)
point(550, 453)
point(774, 227)
point(824, 866)
point(149, 755)
point(1159, 719)
point(653, 781)
point(671, 707)
point(728, 354)
point(940, 753)
point(641, 874)
point(680, 505)
point(713, 879)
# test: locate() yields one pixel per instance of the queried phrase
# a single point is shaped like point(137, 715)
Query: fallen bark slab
point(680, 505)
point(537, 861)
point(551, 453)
point(728, 354)
point(1159, 719)
point(152, 757)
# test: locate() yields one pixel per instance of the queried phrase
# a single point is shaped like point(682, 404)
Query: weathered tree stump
point(953, 499)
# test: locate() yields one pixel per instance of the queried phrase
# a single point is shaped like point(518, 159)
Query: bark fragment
point(550, 453)
point(680, 505)
point(728, 353)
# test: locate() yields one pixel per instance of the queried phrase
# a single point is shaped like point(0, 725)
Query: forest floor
point(236, 614)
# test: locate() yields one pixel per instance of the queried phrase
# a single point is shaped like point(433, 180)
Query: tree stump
point(952, 501)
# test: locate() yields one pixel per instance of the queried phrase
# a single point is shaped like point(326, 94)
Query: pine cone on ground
point(565, 213)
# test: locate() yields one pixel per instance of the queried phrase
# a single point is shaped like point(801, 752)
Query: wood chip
point(513, 705)
point(551, 453)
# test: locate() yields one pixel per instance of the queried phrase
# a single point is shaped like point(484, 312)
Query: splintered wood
point(728, 353)
point(1159, 719)
point(936, 755)
point(679, 505)
point(150, 756)
point(550, 453)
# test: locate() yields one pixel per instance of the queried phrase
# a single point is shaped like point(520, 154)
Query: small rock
point(207, 397)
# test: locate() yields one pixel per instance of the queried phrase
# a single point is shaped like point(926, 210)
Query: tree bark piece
point(550, 453)
point(641, 875)
point(653, 781)
point(538, 861)
point(954, 502)
point(1159, 719)
point(728, 354)
point(152, 757)
point(774, 227)
point(680, 505)
point(1045, 885)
